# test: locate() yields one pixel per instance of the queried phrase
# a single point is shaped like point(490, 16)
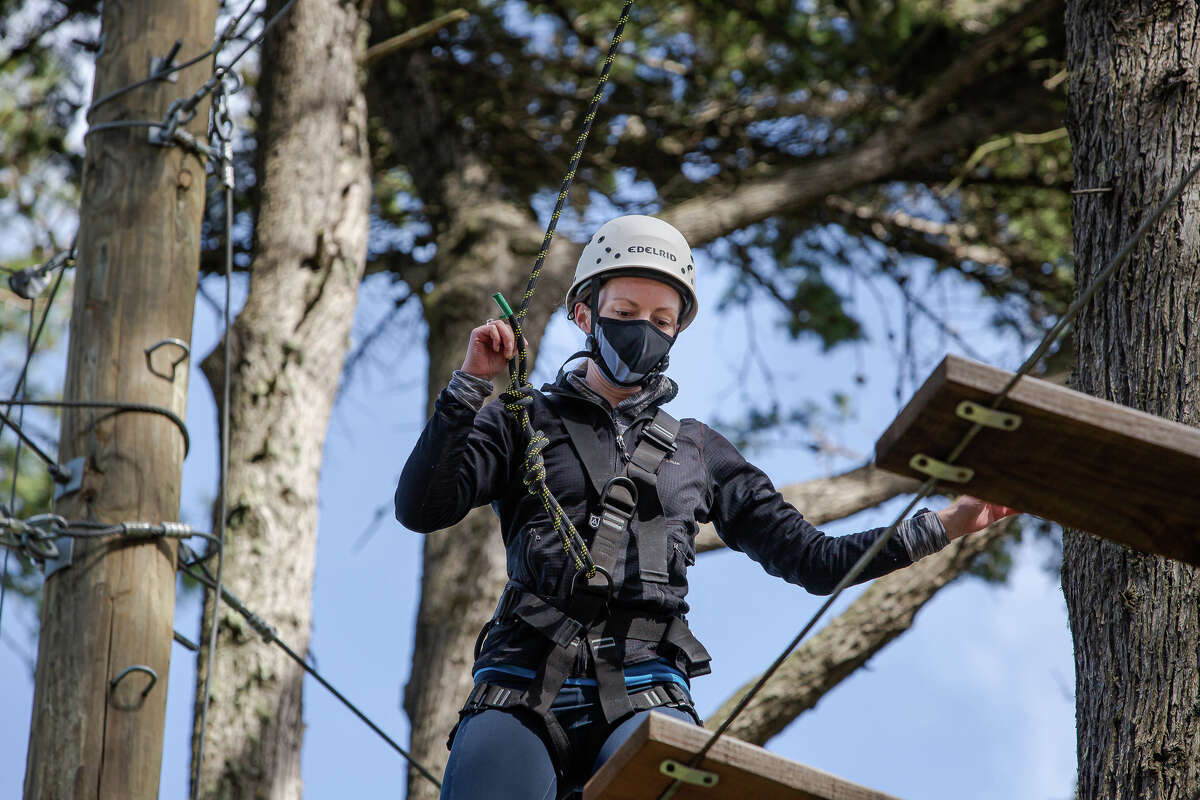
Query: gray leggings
point(500, 755)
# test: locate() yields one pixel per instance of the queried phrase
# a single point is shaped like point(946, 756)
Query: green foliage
point(706, 96)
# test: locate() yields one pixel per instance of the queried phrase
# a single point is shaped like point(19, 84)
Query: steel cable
point(928, 487)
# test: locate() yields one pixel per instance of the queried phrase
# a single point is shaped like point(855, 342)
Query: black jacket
point(465, 459)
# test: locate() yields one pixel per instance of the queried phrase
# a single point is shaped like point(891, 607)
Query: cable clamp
point(988, 417)
point(940, 469)
point(688, 775)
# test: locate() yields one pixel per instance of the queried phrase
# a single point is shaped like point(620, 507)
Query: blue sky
point(983, 682)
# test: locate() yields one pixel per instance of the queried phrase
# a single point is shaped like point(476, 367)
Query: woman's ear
point(583, 317)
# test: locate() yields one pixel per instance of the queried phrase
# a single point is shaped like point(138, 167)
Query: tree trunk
point(489, 244)
point(288, 345)
point(1134, 125)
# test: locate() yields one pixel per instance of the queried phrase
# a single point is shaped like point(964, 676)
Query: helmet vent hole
point(608, 249)
point(598, 260)
point(601, 239)
point(616, 255)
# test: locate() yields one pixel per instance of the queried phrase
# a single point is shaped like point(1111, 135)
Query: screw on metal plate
point(690, 775)
point(988, 417)
point(940, 469)
point(187, 351)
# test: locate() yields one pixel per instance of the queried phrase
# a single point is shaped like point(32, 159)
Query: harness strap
point(491, 695)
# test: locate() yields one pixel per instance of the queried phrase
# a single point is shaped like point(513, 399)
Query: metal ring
point(187, 351)
point(112, 685)
point(607, 576)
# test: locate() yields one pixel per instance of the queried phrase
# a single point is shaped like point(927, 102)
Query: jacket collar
point(657, 390)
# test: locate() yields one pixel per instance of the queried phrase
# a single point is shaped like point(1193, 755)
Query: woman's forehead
point(642, 292)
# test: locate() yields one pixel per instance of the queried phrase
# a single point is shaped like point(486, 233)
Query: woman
point(575, 657)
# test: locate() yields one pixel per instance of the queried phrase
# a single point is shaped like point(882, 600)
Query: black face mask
point(627, 350)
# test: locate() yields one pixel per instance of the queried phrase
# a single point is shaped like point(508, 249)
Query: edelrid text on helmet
point(636, 244)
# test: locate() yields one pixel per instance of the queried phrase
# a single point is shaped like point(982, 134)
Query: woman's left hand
point(969, 514)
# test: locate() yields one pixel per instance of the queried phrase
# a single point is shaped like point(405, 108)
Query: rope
point(519, 395)
point(270, 636)
point(928, 487)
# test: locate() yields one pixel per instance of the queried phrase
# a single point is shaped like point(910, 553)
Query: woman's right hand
point(490, 347)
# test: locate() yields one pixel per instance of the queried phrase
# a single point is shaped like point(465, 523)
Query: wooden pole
point(135, 284)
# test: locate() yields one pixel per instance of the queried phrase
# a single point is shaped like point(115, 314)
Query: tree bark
point(288, 345)
point(882, 613)
point(489, 243)
point(1135, 618)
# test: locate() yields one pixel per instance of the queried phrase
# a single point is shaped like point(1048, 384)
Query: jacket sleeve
point(462, 460)
point(751, 516)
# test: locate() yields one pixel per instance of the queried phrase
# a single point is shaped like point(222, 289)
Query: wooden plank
point(1087, 463)
point(744, 770)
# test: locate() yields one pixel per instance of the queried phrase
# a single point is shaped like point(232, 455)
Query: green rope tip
point(505, 308)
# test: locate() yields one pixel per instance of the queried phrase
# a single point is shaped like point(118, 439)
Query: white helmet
point(637, 245)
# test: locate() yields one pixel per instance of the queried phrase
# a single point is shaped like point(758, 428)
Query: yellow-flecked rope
point(518, 397)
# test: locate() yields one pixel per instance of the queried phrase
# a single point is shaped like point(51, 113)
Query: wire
point(56, 470)
point(35, 536)
point(270, 636)
point(36, 338)
point(222, 129)
point(118, 407)
point(16, 468)
point(164, 73)
point(928, 487)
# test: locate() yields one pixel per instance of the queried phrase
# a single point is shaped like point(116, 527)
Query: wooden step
point(743, 771)
point(1086, 463)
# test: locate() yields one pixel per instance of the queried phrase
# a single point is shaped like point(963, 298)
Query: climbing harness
point(590, 628)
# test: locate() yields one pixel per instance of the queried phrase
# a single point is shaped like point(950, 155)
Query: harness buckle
point(618, 502)
point(659, 437)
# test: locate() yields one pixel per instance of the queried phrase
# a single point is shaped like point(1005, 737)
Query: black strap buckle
point(659, 436)
point(618, 502)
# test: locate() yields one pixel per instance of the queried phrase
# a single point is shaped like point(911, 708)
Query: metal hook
point(135, 668)
point(187, 351)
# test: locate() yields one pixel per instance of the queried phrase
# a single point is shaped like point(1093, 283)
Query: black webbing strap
point(655, 445)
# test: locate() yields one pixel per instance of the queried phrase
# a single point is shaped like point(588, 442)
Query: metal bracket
point(988, 417)
point(66, 547)
point(182, 345)
point(74, 469)
point(690, 775)
point(136, 668)
point(940, 469)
